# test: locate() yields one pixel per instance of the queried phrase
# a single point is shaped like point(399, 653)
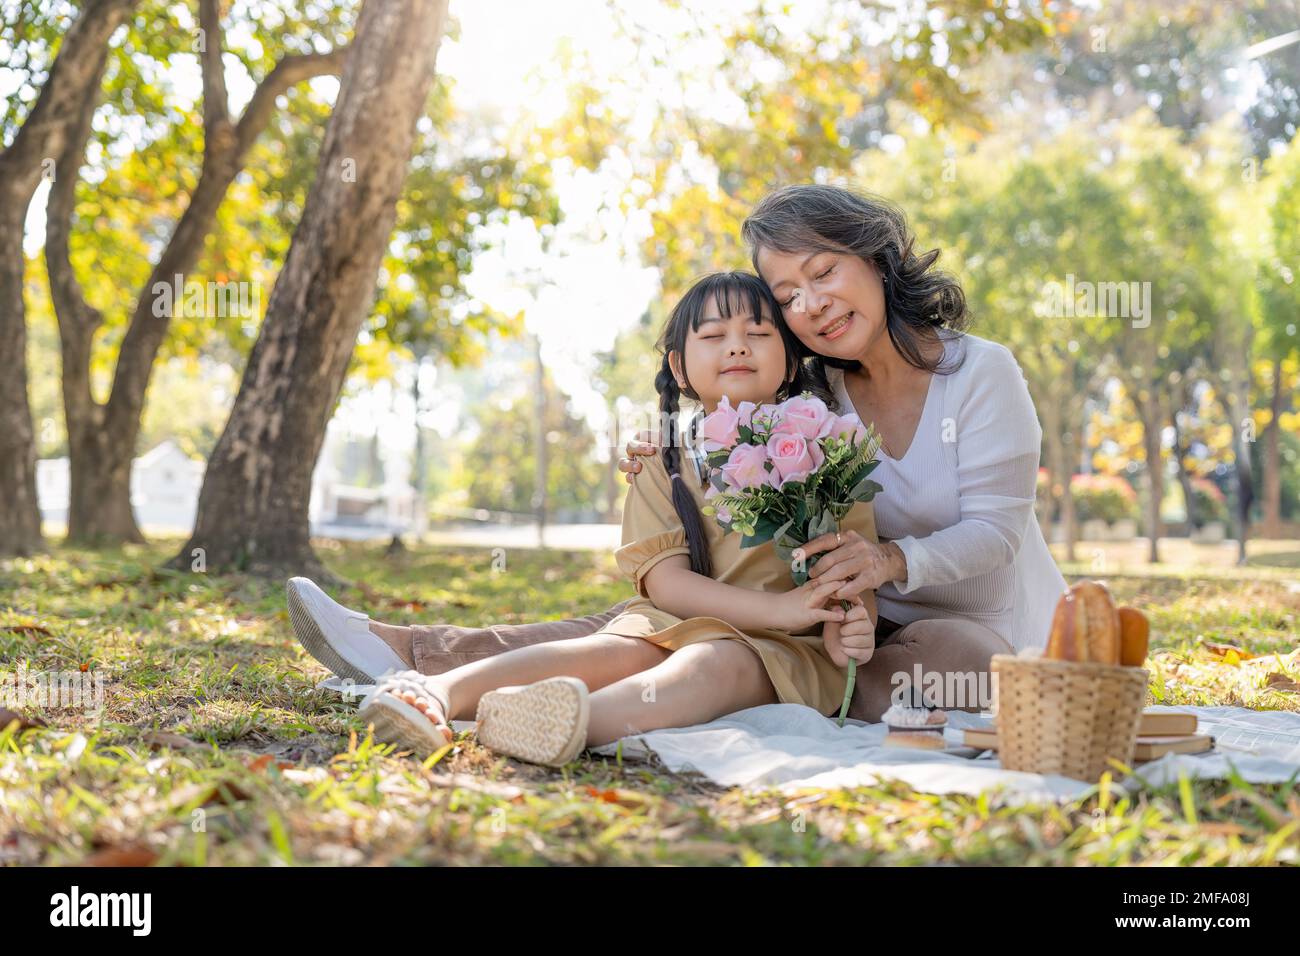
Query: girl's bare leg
point(597, 660)
point(698, 683)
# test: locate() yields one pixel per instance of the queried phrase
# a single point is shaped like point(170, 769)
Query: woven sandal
point(398, 722)
point(544, 722)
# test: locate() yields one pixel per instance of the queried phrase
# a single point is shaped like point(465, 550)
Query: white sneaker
point(338, 637)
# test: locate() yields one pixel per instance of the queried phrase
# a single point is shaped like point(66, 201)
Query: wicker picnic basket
point(1066, 717)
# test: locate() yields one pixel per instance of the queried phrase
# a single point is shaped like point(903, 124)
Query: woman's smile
point(837, 327)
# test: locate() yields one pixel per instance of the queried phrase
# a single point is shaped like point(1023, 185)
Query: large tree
point(102, 436)
point(253, 508)
point(73, 80)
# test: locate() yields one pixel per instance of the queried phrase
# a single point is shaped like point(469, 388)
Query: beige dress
point(797, 664)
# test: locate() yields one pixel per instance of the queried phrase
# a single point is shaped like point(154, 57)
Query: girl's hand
point(860, 565)
point(645, 444)
point(805, 607)
point(855, 637)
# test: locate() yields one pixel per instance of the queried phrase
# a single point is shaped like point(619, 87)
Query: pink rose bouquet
point(787, 473)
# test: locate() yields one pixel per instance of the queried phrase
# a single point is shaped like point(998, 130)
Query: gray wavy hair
point(919, 298)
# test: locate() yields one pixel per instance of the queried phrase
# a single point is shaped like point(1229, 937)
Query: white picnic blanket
point(791, 747)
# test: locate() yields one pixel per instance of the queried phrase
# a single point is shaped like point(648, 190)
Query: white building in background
point(339, 509)
point(165, 484)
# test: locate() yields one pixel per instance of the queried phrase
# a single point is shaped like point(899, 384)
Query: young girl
point(716, 628)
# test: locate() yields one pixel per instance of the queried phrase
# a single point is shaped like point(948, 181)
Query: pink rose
point(848, 427)
point(745, 414)
point(720, 428)
point(808, 417)
point(793, 457)
point(746, 467)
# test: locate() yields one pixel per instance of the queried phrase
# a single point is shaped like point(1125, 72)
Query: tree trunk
point(253, 508)
point(421, 517)
point(100, 452)
point(1235, 402)
point(542, 472)
point(1057, 470)
point(20, 516)
point(1069, 454)
point(1151, 428)
point(1180, 452)
point(99, 498)
point(611, 471)
point(1273, 460)
point(1069, 523)
point(74, 76)
point(1243, 480)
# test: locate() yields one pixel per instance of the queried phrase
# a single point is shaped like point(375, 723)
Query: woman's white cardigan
point(960, 502)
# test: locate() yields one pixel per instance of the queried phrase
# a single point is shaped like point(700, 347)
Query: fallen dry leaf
point(7, 717)
point(1224, 650)
point(227, 793)
point(162, 738)
point(261, 763)
point(1223, 829)
point(26, 629)
point(624, 798)
point(203, 794)
point(122, 856)
point(1281, 682)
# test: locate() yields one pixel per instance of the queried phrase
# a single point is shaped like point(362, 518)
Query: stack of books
point(1160, 732)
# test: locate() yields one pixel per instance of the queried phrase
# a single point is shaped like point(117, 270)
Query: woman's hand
point(805, 607)
point(854, 637)
point(645, 443)
point(860, 564)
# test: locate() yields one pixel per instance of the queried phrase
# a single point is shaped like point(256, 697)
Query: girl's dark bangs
point(728, 289)
point(692, 305)
point(746, 291)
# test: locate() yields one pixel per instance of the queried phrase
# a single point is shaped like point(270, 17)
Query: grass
point(215, 748)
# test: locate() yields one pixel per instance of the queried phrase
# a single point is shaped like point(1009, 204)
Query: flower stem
point(848, 686)
point(848, 691)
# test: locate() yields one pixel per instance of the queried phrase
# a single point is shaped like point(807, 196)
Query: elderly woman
point(962, 571)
